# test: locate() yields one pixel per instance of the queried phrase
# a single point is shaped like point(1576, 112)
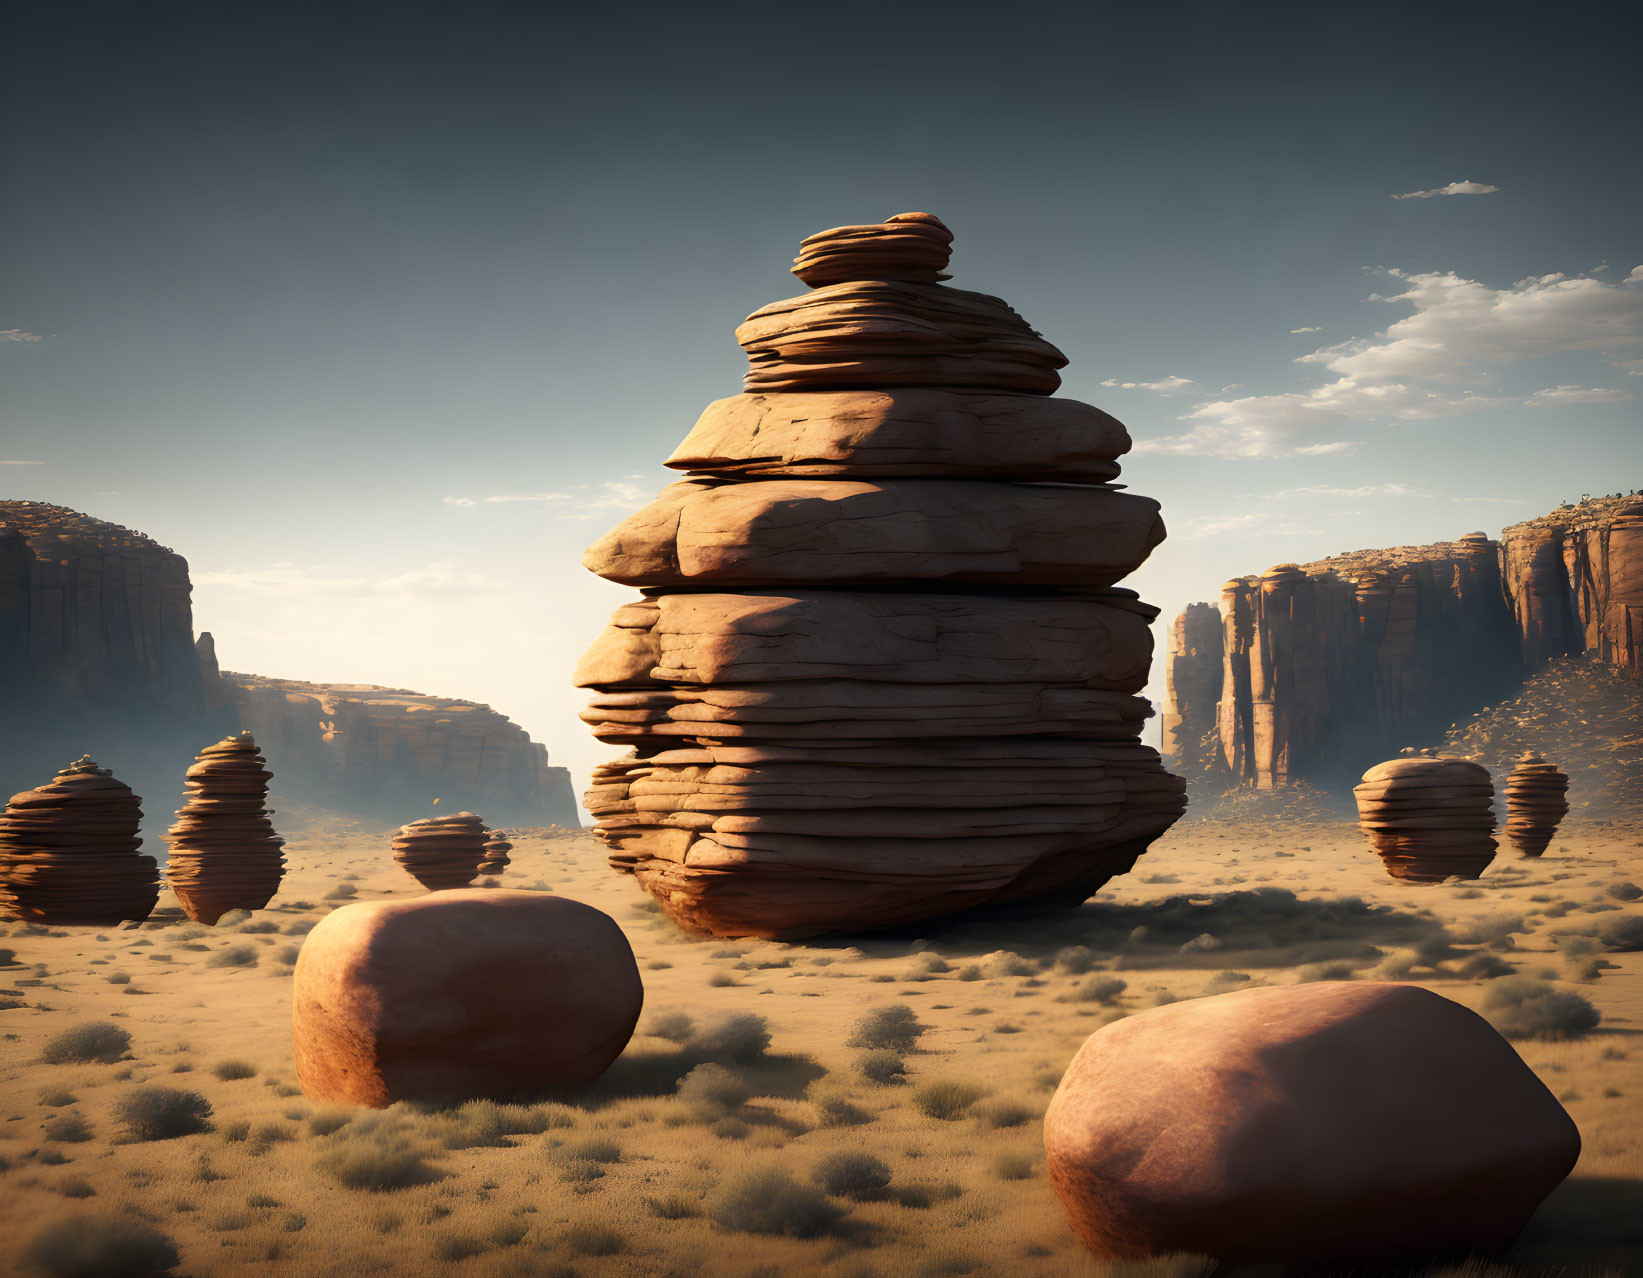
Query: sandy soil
point(626, 1179)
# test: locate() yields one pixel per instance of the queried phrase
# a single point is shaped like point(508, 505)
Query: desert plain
point(769, 1117)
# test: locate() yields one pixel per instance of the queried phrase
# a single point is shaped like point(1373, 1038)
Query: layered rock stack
point(496, 851)
point(1535, 803)
point(224, 853)
point(881, 671)
point(1429, 818)
point(68, 851)
point(443, 851)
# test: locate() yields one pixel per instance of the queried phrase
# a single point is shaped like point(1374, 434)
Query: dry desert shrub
point(233, 956)
point(1097, 989)
point(676, 1027)
point(1012, 1165)
point(232, 1070)
point(99, 1247)
point(342, 892)
point(1004, 1113)
point(92, 1041)
point(1523, 1007)
point(852, 1174)
point(737, 1038)
point(894, 1028)
point(56, 1097)
point(769, 1201)
point(327, 1121)
point(946, 1099)
point(882, 1066)
point(711, 1091)
point(1622, 932)
point(162, 1113)
point(674, 1207)
point(1075, 959)
point(835, 1107)
point(71, 1129)
point(376, 1153)
point(589, 1238)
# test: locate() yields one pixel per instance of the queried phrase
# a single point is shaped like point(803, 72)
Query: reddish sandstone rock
point(68, 851)
point(1535, 803)
point(457, 995)
point(224, 853)
point(1429, 818)
point(441, 852)
point(1327, 1123)
point(496, 859)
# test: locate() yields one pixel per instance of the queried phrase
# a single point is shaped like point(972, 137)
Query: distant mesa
point(1314, 671)
point(68, 852)
point(442, 852)
point(461, 995)
point(97, 648)
point(882, 671)
point(1535, 804)
point(224, 852)
point(1429, 818)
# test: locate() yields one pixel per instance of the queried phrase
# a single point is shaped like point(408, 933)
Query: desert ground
point(735, 1170)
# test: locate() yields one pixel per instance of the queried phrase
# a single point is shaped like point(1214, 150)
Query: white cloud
point(1554, 396)
point(19, 335)
point(1310, 328)
point(1492, 501)
point(1164, 386)
point(1338, 448)
point(1266, 522)
point(585, 499)
point(1367, 490)
point(1460, 330)
point(508, 497)
point(439, 580)
point(21, 463)
point(1454, 188)
point(458, 501)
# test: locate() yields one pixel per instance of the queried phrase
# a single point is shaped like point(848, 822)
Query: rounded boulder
point(461, 994)
point(1323, 1123)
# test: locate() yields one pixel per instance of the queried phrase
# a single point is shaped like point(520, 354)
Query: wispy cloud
point(1367, 490)
point(1554, 396)
point(1310, 328)
point(1415, 369)
point(1454, 188)
point(1164, 386)
point(584, 500)
point(439, 580)
point(21, 463)
point(1491, 501)
point(1337, 448)
point(1265, 522)
point(19, 335)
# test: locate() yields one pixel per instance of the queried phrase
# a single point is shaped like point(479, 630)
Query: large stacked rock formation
point(362, 748)
point(224, 853)
point(443, 851)
point(496, 851)
point(1429, 818)
point(1329, 665)
point(1535, 802)
point(1192, 683)
point(459, 995)
point(1178, 1129)
point(881, 672)
point(68, 851)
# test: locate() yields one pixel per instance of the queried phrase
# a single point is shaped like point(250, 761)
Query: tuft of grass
point(1004, 1113)
point(342, 892)
point(946, 1099)
point(769, 1201)
point(1622, 931)
point(588, 1238)
point(674, 1207)
point(92, 1041)
point(56, 1097)
point(100, 1247)
point(712, 1091)
point(1523, 1007)
point(852, 1174)
point(71, 1129)
point(882, 1066)
point(835, 1107)
point(1075, 959)
point(236, 1131)
point(118, 978)
point(1101, 989)
point(232, 1070)
point(233, 956)
point(739, 1038)
point(327, 1121)
point(377, 1159)
point(895, 1027)
point(595, 1150)
point(676, 1027)
point(1011, 1165)
point(453, 1246)
point(162, 1113)
point(75, 1187)
point(259, 927)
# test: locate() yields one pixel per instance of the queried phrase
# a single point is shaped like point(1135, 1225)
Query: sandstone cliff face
point(381, 750)
point(97, 651)
point(1326, 667)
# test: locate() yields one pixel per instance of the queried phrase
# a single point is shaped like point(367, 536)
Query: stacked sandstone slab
point(881, 671)
point(68, 851)
point(496, 851)
point(224, 852)
point(1429, 818)
point(443, 851)
point(1535, 802)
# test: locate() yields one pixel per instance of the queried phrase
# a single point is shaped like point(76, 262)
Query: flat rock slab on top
point(68, 852)
point(854, 434)
point(1321, 1124)
point(798, 532)
point(459, 995)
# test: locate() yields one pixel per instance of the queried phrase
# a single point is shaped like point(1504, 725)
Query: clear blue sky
point(299, 289)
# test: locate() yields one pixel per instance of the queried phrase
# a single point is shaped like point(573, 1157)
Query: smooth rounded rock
point(459, 994)
point(1327, 1123)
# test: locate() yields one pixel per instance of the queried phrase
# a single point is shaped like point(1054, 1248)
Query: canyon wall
point(1320, 670)
point(98, 654)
